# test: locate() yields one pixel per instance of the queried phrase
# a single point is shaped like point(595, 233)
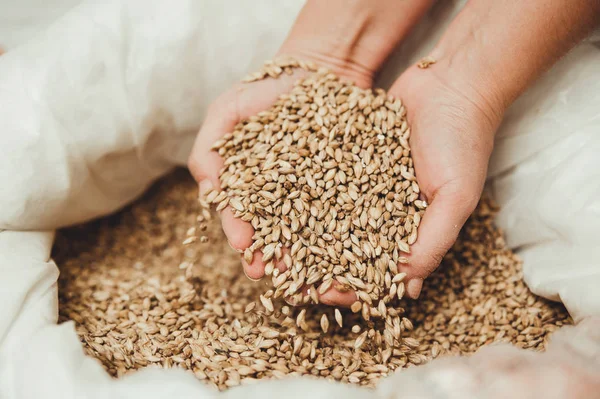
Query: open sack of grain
point(109, 99)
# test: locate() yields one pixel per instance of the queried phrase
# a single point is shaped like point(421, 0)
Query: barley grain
point(324, 323)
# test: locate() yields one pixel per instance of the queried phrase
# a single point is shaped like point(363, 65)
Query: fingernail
point(244, 267)
point(239, 251)
point(413, 288)
point(250, 278)
point(205, 186)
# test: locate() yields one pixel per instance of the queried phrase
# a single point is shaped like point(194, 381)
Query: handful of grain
point(325, 177)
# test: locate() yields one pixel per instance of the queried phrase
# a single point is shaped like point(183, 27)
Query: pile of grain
point(326, 173)
point(132, 307)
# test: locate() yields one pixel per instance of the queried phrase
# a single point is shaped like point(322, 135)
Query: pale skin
point(488, 56)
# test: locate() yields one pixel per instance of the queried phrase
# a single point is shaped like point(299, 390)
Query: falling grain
point(324, 323)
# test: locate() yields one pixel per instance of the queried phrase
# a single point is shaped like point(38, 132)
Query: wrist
point(468, 62)
point(352, 37)
point(466, 72)
point(342, 61)
point(501, 48)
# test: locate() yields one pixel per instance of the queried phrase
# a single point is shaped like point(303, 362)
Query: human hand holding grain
point(490, 54)
point(451, 142)
point(352, 39)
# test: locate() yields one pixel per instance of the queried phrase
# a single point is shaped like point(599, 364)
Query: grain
point(426, 62)
point(475, 298)
point(330, 165)
point(324, 323)
point(273, 69)
point(267, 303)
point(338, 317)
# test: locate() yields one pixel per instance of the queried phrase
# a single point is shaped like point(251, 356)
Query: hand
point(241, 102)
point(452, 133)
point(354, 48)
point(488, 56)
point(454, 107)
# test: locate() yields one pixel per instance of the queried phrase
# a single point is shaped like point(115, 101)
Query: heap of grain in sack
point(326, 179)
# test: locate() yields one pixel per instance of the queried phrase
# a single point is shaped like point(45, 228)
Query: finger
point(255, 270)
point(222, 118)
point(206, 165)
point(239, 233)
point(449, 210)
point(336, 297)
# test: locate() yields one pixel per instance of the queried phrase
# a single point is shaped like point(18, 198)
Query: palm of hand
point(451, 141)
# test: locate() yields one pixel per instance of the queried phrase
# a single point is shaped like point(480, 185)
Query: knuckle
point(426, 263)
point(433, 260)
point(468, 200)
point(463, 197)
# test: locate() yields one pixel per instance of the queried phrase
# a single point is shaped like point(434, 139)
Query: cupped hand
point(452, 131)
point(240, 102)
point(454, 106)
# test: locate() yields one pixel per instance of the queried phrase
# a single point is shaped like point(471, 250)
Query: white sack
point(21, 20)
point(569, 368)
point(110, 98)
point(545, 174)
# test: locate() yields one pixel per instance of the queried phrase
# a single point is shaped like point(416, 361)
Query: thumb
point(205, 164)
point(450, 207)
point(240, 102)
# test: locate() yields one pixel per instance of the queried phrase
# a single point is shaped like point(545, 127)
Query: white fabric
point(569, 368)
point(21, 20)
point(546, 173)
point(110, 97)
